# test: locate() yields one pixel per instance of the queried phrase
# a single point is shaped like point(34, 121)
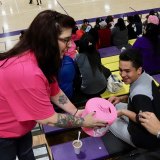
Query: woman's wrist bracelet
point(75, 112)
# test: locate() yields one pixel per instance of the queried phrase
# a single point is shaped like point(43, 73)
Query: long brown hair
point(42, 38)
point(87, 46)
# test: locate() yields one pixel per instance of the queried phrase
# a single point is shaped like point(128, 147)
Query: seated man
point(144, 96)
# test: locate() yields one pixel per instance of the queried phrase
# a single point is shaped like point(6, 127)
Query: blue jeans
point(20, 147)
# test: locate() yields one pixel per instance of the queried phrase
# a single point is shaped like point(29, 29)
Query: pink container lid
point(104, 111)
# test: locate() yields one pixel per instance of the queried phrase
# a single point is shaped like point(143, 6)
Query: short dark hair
point(109, 19)
point(133, 55)
point(85, 21)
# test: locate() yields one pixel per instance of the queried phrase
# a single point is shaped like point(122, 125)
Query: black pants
point(140, 154)
point(37, 1)
point(20, 147)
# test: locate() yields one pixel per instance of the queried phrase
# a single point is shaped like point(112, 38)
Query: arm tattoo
point(69, 121)
point(62, 99)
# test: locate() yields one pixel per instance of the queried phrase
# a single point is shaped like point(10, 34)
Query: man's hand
point(114, 100)
point(150, 122)
point(120, 112)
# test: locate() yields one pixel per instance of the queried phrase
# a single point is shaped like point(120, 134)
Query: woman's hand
point(150, 122)
point(90, 121)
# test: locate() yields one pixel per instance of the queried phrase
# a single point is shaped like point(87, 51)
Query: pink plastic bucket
point(104, 111)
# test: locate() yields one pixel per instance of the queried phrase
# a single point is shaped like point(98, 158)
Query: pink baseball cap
point(153, 19)
point(104, 111)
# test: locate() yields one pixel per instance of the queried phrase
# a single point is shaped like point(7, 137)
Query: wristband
point(158, 135)
point(75, 112)
point(138, 116)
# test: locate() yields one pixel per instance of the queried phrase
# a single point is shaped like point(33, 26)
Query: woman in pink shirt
point(28, 85)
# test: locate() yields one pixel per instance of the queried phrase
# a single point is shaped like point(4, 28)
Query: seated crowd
point(87, 70)
point(86, 41)
point(81, 71)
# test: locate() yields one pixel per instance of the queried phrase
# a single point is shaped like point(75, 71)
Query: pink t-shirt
point(24, 95)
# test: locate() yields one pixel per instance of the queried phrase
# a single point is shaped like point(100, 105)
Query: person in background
point(97, 26)
point(68, 70)
point(94, 31)
point(31, 1)
point(143, 96)
point(67, 75)
point(28, 77)
point(152, 124)
point(89, 64)
point(76, 35)
point(38, 2)
point(149, 46)
point(110, 21)
point(138, 24)
point(85, 26)
point(144, 24)
point(104, 36)
point(153, 19)
point(131, 28)
point(119, 35)
point(152, 13)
